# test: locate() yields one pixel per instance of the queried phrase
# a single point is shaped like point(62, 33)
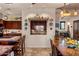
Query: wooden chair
point(51, 47)
point(19, 48)
point(23, 45)
point(54, 52)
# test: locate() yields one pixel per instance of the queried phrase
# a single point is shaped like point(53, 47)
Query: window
point(62, 25)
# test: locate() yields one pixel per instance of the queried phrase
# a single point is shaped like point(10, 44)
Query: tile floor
point(38, 52)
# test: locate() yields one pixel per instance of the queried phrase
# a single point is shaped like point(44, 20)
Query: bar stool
point(19, 48)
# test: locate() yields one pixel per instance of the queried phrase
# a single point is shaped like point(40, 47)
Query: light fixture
point(5, 17)
point(75, 12)
point(66, 12)
point(68, 23)
point(61, 12)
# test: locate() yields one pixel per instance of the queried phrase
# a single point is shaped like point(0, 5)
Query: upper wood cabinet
point(12, 24)
point(1, 21)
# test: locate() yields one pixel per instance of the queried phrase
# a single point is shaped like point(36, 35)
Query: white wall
point(38, 41)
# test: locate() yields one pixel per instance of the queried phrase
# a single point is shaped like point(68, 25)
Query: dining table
point(60, 48)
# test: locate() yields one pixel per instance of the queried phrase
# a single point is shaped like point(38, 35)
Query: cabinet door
point(76, 29)
point(12, 24)
point(78, 26)
point(8, 25)
point(17, 25)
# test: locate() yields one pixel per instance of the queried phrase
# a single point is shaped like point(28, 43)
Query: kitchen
point(10, 31)
point(39, 26)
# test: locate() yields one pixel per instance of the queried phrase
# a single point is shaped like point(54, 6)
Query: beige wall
point(36, 41)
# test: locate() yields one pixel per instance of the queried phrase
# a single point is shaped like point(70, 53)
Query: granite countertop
point(14, 38)
point(5, 48)
point(64, 50)
point(12, 31)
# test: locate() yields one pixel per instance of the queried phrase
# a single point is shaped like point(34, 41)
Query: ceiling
point(16, 8)
point(21, 5)
point(70, 6)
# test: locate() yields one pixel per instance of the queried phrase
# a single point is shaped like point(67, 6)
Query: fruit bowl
point(71, 46)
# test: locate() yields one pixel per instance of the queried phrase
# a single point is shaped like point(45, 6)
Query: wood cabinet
point(12, 24)
point(76, 29)
point(1, 21)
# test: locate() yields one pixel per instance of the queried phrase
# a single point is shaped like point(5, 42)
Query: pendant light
point(61, 12)
point(64, 12)
point(75, 13)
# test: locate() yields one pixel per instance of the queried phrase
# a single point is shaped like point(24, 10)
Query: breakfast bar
point(8, 44)
point(8, 38)
point(5, 50)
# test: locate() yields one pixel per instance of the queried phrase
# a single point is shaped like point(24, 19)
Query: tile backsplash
point(5, 31)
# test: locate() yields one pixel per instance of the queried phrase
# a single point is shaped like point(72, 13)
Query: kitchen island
point(5, 50)
point(9, 44)
point(60, 49)
point(8, 40)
